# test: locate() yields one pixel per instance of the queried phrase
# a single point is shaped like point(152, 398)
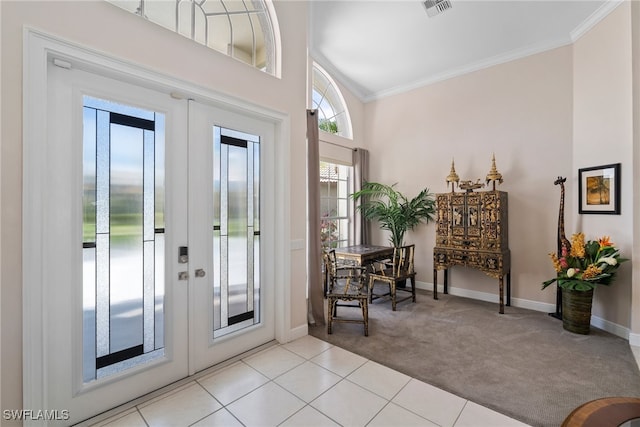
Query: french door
point(154, 239)
point(227, 186)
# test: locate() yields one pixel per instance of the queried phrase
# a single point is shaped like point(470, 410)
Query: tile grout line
point(462, 410)
point(270, 380)
point(142, 416)
point(182, 385)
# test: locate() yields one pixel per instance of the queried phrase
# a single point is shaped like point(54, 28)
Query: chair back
point(403, 261)
point(329, 260)
point(347, 279)
point(345, 284)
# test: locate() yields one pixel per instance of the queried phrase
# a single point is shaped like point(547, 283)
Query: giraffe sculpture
point(564, 246)
point(563, 243)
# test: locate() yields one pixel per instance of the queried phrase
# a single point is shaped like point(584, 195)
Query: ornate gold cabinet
point(472, 230)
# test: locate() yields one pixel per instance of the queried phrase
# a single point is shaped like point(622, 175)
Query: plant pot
point(576, 310)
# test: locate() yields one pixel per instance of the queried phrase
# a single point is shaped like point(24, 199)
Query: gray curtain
point(314, 252)
point(360, 231)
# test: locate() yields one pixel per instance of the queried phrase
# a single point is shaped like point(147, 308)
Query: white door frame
point(38, 49)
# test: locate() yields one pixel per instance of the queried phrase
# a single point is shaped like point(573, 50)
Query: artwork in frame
point(599, 189)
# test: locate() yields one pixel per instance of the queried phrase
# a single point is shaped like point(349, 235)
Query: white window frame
point(197, 26)
point(343, 237)
point(330, 103)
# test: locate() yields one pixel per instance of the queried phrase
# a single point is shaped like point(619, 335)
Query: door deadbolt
point(183, 254)
point(200, 272)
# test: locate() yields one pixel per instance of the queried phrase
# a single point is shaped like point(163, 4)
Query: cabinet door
point(458, 219)
point(443, 226)
point(492, 263)
point(491, 218)
point(473, 220)
point(503, 221)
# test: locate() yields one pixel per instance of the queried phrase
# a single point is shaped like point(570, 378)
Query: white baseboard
point(634, 343)
point(296, 333)
point(596, 321)
point(610, 327)
point(634, 339)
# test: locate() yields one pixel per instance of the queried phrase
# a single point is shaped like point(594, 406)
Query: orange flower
point(577, 245)
point(556, 263)
point(591, 272)
point(604, 242)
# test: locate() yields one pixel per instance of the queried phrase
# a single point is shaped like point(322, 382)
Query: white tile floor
point(307, 382)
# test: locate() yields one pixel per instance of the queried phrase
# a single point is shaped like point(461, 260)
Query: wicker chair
point(345, 283)
point(400, 269)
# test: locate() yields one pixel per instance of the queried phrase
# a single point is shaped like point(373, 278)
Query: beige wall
point(543, 116)
point(522, 112)
point(106, 28)
point(603, 134)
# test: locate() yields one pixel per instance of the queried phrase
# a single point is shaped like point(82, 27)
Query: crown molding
point(337, 76)
point(573, 36)
point(476, 66)
point(597, 16)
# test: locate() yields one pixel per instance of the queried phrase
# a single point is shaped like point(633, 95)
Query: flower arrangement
point(585, 264)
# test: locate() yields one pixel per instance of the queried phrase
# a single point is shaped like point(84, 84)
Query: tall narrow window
point(236, 230)
point(327, 99)
point(334, 206)
point(123, 237)
point(242, 29)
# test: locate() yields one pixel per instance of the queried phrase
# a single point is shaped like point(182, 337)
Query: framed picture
point(599, 189)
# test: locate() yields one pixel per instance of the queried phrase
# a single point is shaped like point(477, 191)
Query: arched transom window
point(327, 99)
point(242, 29)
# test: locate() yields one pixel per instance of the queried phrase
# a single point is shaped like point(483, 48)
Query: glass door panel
point(236, 233)
point(123, 236)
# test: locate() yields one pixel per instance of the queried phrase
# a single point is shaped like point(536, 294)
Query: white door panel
point(71, 385)
point(233, 301)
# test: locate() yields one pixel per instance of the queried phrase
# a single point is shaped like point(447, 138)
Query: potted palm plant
point(393, 210)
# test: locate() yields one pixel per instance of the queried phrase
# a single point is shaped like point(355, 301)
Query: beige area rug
point(521, 363)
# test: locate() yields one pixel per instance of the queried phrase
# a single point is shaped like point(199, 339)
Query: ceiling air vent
point(436, 7)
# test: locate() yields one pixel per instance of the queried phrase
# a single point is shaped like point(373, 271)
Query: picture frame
point(599, 189)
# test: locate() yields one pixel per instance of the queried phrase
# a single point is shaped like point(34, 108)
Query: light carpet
point(521, 363)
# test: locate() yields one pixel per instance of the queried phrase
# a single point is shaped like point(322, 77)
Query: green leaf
point(393, 210)
point(576, 284)
point(548, 282)
point(591, 249)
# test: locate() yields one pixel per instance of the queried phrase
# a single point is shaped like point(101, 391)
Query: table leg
point(325, 281)
point(509, 289)
point(501, 282)
point(446, 280)
point(435, 283)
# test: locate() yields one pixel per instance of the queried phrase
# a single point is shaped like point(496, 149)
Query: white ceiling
point(380, 47)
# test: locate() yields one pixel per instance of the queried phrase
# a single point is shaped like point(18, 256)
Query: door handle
point(200, 272)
